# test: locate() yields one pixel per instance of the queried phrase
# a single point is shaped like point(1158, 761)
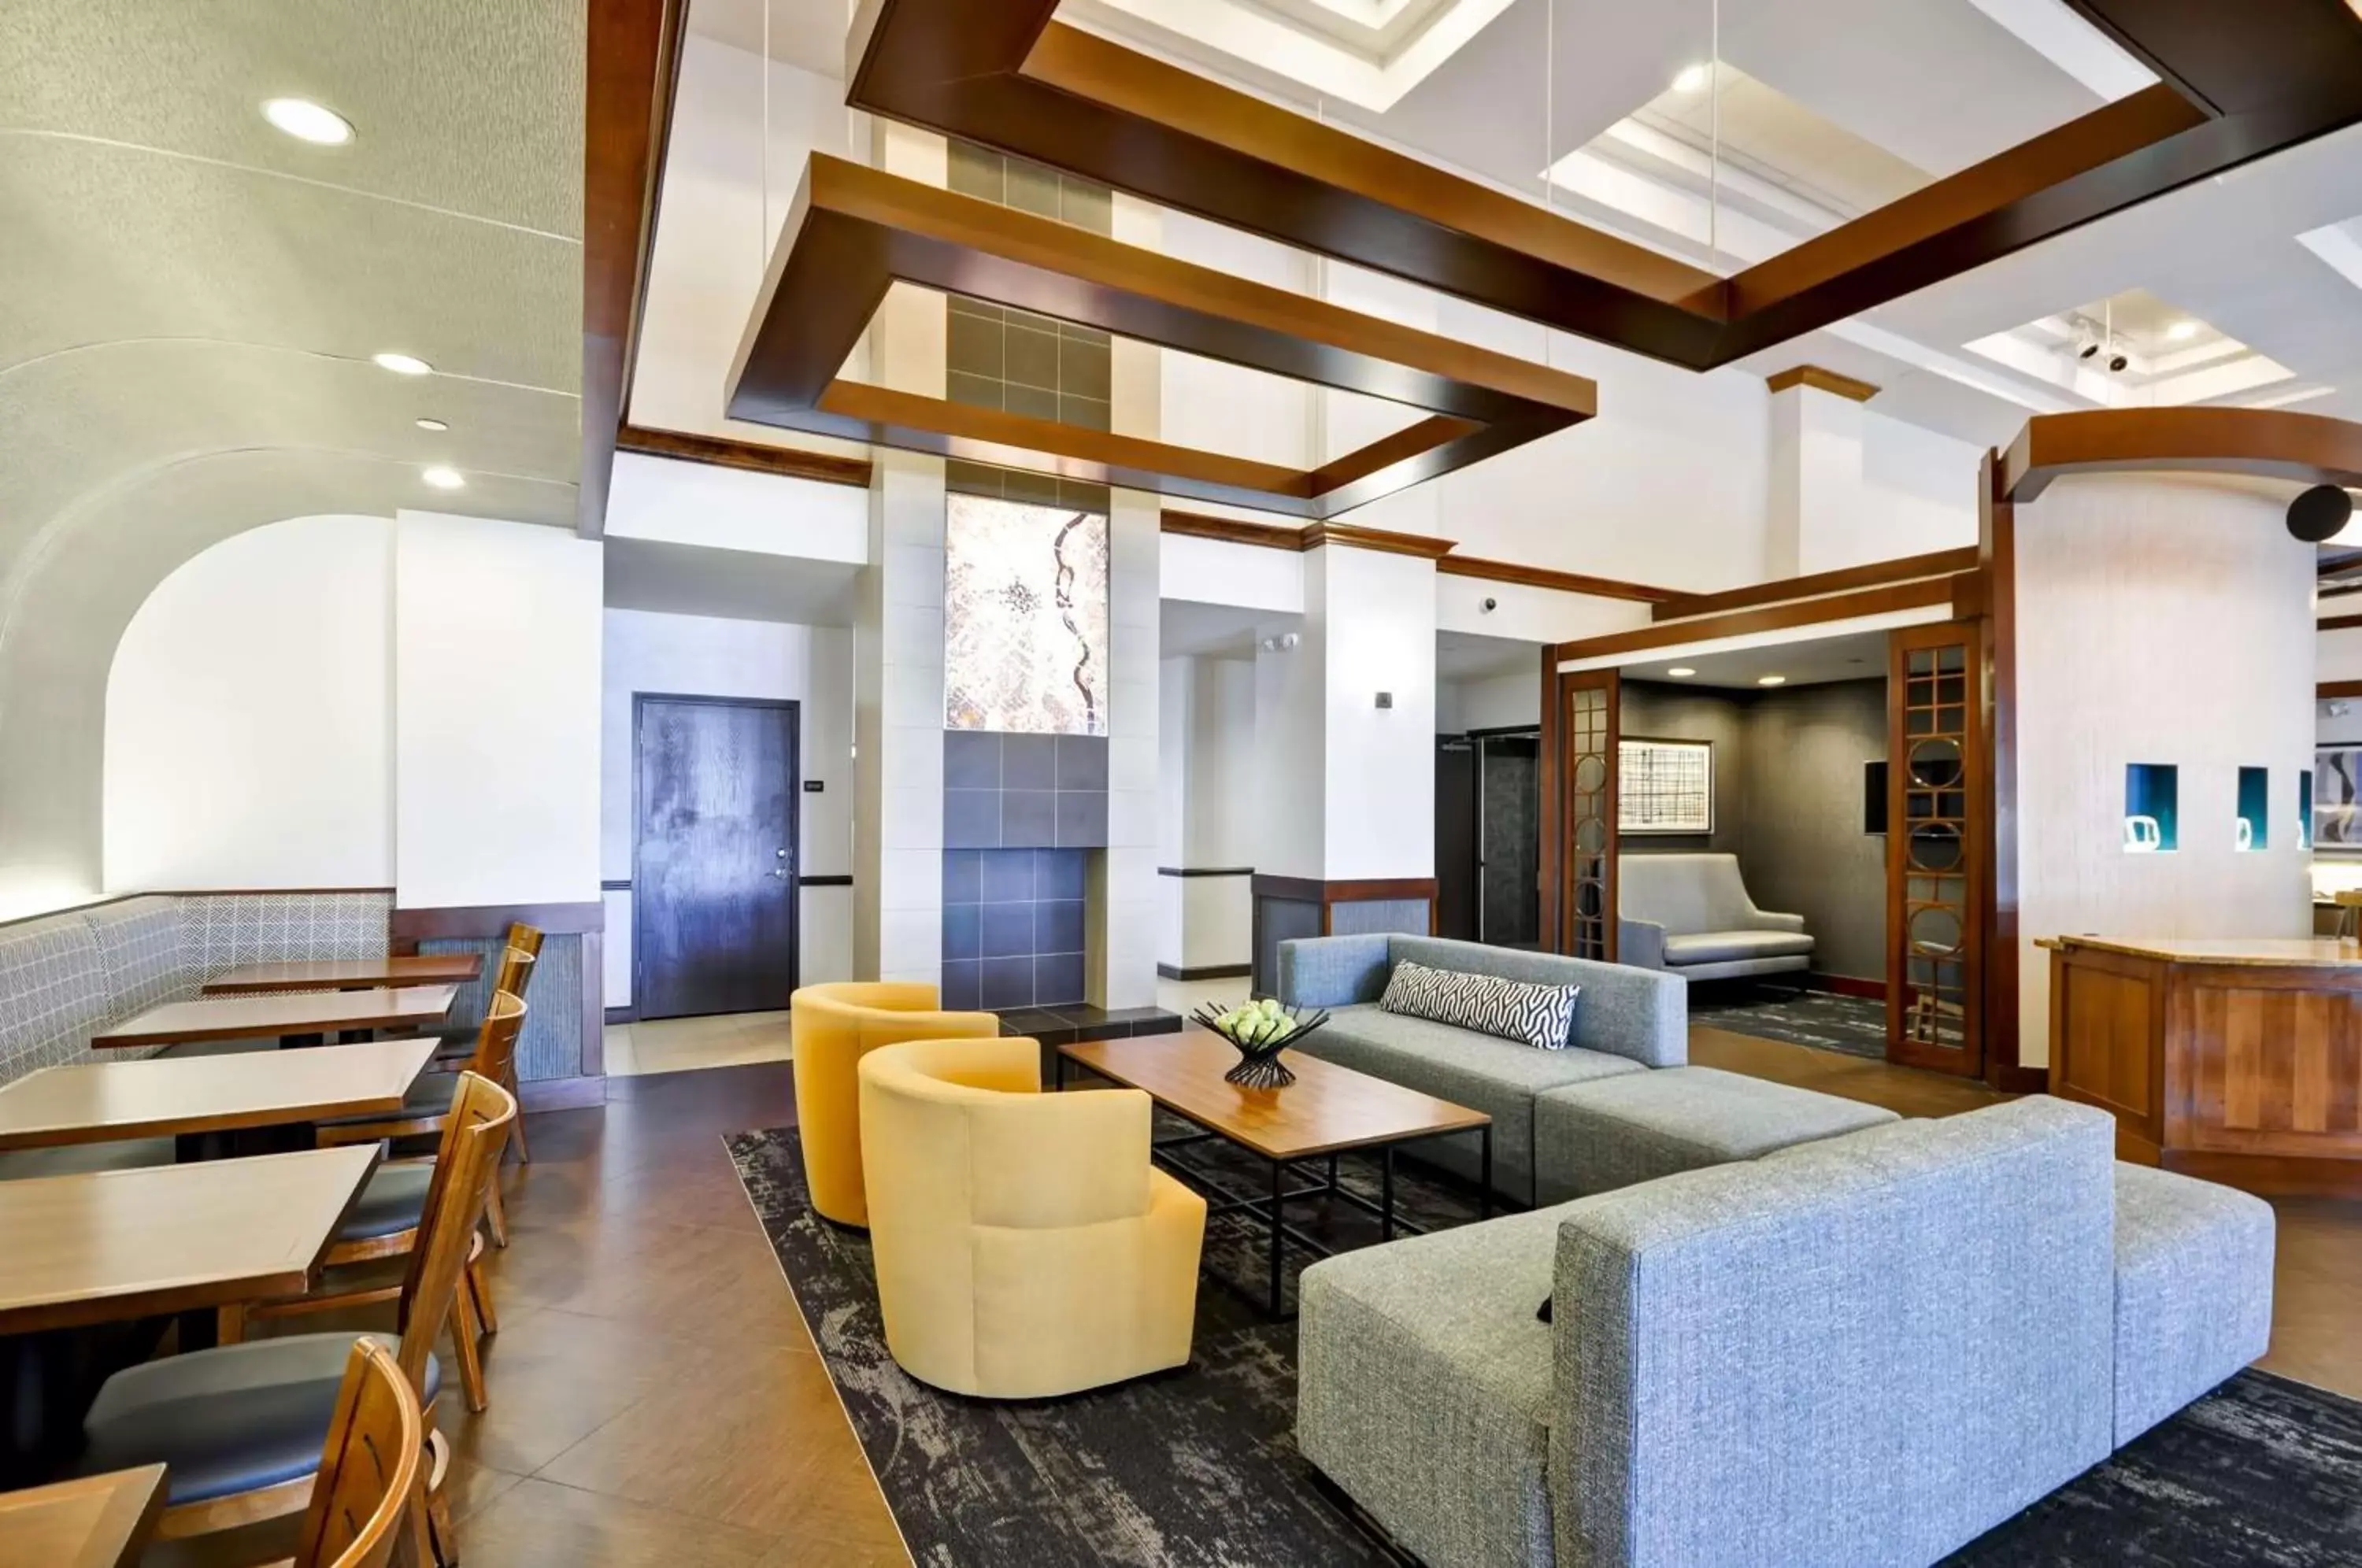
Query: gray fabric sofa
point(1763, 1363)
point(1692, 914)
point(1627, 1021)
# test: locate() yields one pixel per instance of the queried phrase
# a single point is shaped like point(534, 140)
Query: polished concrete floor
point(656, 1400)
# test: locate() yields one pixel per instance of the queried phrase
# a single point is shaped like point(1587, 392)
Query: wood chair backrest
point(369, 1486)
point(515, 971)
point(525, 936)
point(473, 1135)
point(496, 1041)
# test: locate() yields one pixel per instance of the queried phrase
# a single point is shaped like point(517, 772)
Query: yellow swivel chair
point(831, 1027)
point(1024, 1245)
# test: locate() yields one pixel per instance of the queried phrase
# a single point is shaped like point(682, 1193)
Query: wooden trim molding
point(2238, 84)
point(754, 456)
point(2339, 623)
point(1231, 531)
point(1423, 546)
point(1886, 599)
point(1558, 581)
point(826, 880)
point(632, 53)
point(1205, 870)
point(2310, 448)
point(1817, 378)
point(2329, 689)
point(1903, 569)
point(1204, 972)
point(853, 231)
point(1368, 890)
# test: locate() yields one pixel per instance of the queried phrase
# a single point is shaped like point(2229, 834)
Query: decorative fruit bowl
point(1260, 1031)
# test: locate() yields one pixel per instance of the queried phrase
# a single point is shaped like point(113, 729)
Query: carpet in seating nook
point(1199, 1467)
point(1852, 1026)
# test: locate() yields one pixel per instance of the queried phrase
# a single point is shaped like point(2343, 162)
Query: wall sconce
point(1282, 643)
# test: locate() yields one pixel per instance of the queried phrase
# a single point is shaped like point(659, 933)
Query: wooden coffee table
point(1326, 1111)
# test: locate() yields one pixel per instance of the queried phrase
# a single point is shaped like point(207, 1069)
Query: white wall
point(699, 655)
point(249, 716)
point(1209, 805)
point(733, 509)
point(496, 634)
point(1376, 620)
point(2169, 620)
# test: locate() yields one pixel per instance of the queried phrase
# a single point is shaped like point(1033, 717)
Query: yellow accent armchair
point(1024, 1245)
point(831, 1027)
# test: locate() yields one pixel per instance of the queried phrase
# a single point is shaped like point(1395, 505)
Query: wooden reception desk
point(2239, 1061)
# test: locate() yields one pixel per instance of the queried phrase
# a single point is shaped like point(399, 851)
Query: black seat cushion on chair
point(222, 1421)
point(393, 1201)
point(430, 1095)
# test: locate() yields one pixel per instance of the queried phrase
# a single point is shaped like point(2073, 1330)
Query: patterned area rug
point(1853, 1026)
point(1196, 1468)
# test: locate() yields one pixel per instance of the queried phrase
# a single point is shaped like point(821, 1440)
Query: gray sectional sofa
point(1767, 1363)
point(1618, 1105)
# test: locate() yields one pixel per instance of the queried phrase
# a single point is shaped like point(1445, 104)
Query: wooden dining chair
point(368, 1502)
point(428, 1103)
point(387, 1222)
point(241, 1428)
point(518, 960)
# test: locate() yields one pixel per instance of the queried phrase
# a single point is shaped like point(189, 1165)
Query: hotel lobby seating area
point(1021, 783)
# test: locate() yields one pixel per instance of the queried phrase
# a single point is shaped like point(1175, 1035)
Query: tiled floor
point(678, 1044)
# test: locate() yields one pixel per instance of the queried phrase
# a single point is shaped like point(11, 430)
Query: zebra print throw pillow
point(1538, 1015)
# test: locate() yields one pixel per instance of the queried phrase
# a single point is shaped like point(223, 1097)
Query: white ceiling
point(1468, 656)
point(189, 300)
point(1860, 655)
point(735, 585)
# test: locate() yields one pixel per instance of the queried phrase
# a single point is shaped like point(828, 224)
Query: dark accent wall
point(1788, 781)
point(1013, 792)
point(998, 357)
point(1014, 927)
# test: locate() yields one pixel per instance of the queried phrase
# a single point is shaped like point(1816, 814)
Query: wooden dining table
point(92, 1522)
point(348, 974)
point(274, 1014)
point(115, 1245)
point(97, 1102)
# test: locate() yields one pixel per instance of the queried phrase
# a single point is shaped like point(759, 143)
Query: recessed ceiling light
point(2181, 331)
point(307, 121)
point(1680, 670)
point(1770, 680)
point(430, 424)
point(403, 364)
point(443, 478)
point(1692, 78)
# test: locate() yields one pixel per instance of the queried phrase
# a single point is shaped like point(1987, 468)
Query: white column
point(898, 640)
point(1818, 520)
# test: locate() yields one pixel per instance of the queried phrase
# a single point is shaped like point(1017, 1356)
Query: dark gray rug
point(1196, 1466)
point(1853, 1026)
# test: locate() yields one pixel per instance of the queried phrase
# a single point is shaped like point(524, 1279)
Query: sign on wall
point(1664, 786)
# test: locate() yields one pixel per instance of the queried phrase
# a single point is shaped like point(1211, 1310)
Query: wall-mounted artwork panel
point(1025, 618)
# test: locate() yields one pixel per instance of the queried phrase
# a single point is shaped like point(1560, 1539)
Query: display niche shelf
point(2152, 808)
point(2253, 828)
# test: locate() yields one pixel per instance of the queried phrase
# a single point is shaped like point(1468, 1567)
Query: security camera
point(1491, 605)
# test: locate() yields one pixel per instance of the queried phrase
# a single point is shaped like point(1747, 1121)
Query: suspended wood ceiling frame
point(2237, 83)
point(854, 230)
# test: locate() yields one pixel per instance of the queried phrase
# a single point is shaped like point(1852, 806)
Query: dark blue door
point(714, 879)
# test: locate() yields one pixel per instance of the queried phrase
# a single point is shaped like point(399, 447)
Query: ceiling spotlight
point(1692, 78)
point(2181, 331)
point(2117, 362)
point(2090, 347)
point(1770, 680)
point(307, 121)
point(430, 424)
point(442, 477)
point(1680, 671)
point(401, 364)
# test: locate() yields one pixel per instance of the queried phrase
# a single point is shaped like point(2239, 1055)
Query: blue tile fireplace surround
point(1014, 928)
point(1025, 791)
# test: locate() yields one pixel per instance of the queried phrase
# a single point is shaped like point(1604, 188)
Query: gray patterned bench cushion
point(52, 993)
point(1499, 1077)
point(2193, 1290)
point(1596, 1137)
